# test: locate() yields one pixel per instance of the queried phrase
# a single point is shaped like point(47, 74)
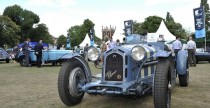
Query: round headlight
point(137, 53)
point(93, 54)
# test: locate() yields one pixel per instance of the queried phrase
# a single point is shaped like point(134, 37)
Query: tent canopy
point(86, 41)
point(163, 30)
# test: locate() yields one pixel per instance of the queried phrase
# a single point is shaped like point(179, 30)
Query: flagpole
point(204, 26)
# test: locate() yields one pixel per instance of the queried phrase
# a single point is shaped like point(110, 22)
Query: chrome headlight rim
point(93, 54)
point(138, 53)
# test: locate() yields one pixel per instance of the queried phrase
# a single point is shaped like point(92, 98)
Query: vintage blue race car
point(48, 56)
point(133, 68)
point(202, 55)
point(4, 56)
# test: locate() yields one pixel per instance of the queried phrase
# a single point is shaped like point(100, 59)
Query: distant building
point(107, 32)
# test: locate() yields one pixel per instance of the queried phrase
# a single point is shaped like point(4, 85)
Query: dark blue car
point(4, 56)
point(202, 55)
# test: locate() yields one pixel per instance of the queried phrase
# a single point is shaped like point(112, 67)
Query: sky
point(60, 15)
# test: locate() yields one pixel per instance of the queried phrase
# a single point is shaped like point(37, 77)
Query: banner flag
point(91, 35)
point(128, 27)
point(199, 19)
point(68, 43)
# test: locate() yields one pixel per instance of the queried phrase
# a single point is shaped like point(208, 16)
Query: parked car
point(48, 56)
point(4, 56)
point(202, 55)
point(134, 68)
point(10, 52)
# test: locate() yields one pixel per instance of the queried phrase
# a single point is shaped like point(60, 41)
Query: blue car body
point(202, 55)
point(48, 56)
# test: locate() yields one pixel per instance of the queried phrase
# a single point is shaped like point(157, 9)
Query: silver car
point(4, 56)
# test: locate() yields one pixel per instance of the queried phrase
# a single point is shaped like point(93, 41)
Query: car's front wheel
point(161, 88)
point(184, 79)
point(22, 61)
point(7, 60)
point(70, 79)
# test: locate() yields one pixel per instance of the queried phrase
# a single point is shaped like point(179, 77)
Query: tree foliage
point(8, 32)
point(78, 32)
point(152, 23)
point(22, 17)
point(40, 32)
point(61, 40)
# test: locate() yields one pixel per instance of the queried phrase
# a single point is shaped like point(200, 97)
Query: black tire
point(7, 60)
point(196, 59)
point(184, 80)
point(22, 61)
point(70, 77)
point(161, 91)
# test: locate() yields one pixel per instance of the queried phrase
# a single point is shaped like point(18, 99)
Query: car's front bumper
point(99, 87)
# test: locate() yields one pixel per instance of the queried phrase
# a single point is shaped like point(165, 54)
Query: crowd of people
point(176, 47)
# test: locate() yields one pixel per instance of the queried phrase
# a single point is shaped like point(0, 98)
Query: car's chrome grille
point(114, 67)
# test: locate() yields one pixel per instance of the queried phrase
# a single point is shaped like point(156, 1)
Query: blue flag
point(128, 27)
point(91, 35)
point(68, 43)
point(199, 19)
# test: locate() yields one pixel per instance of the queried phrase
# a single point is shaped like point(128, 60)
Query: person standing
point(112, 44)
point(103, 48)
point(77, 49)
point(38, 51)
point(26, 51)
point(62, 47)
point(176, 46)
point(191, 48)
point(15, 51)
point(86, 51)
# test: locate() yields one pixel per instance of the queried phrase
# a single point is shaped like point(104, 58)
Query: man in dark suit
point(26, 51)
point(38, 52)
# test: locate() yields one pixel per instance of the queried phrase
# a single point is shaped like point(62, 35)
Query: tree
point(40, 32)
point(78, 32)
point(169, 17)
point(61, 40)
point(13, 12)
point(137, 29)
point(29, 19)
point(151, 24)
point(8, 32)
point(24, 18)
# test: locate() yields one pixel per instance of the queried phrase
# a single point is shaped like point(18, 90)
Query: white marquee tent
point(85, 41)
point(163, 30)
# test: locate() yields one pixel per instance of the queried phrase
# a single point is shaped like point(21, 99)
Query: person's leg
point(37, 60)
point(190, 56)
point(27, 58)
point(193, 57)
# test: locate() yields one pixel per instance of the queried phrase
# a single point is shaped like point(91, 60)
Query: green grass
point(31, 87)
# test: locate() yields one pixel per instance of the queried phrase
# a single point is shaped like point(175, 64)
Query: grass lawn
point(31, 87)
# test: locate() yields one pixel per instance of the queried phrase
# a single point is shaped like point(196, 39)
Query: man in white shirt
point(191, 46)
point(176, 46)
point(112, 44)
